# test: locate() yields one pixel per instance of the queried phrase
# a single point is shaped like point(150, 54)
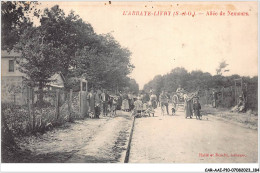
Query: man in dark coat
point(197, 108)
point(105, 99)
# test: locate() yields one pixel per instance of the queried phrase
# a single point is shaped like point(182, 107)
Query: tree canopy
point(192, 81)
point(67, 44)
point(14, 19)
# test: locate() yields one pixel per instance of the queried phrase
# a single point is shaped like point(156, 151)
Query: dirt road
point(87, 141)
point(174, 139)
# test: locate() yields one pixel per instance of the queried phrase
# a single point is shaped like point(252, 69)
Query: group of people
point(97, 100)
point(191, 103)
point(102, 102)
point(145, 104)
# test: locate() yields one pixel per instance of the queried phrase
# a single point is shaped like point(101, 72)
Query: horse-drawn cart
point(178, 100)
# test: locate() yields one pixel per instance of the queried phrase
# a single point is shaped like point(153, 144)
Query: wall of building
point(5, 67)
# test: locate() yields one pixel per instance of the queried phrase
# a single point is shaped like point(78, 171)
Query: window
point(11, 65)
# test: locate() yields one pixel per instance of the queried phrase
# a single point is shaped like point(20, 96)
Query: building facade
point(13, 82)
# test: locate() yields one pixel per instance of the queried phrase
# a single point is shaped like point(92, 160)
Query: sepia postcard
point(130, 82)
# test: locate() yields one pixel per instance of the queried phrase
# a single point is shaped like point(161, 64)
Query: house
point(13, 81)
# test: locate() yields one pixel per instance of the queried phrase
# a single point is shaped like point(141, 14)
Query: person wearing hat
point(153, 100)
point(138, 106)
point(97, 105)
point(164, 100)
point(215, 98)
point(125, 102)
point(91, 102)
point(105, 98)
point(197, 108)
point(187, 106)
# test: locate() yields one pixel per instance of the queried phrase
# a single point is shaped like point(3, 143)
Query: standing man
point(164, 101)
point(91, 102)
point(105, 99)
point(97, 105)
point(215, 98)
point(153, 100)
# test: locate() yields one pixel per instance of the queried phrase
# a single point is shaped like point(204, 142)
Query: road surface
point(101, 140)
point(174, 139)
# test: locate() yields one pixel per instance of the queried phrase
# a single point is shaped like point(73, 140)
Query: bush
point(17, 118)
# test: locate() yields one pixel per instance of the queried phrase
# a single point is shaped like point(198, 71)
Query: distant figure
point(131, 101)
point(125, 103)
point(119, 101)
point(179, 89)
point(105, 99)
point(149, 110)
point(197, 108)
point(164, 101)
point(215, 98)
point(151, 92)
point(174, 102)
point(99, 92)
point(240, 107)
point(153, 100)
point(187, 106)
point(146, 97)
point(97, 105)
point(91, 103)
point(114, 106)
point(138, 107)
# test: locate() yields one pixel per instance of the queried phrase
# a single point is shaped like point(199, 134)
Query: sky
point(162, 43)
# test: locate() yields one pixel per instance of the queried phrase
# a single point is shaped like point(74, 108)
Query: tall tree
point(70, 30)
point(40, 59)
point(133, 86)
point(14, 19)
point(106, 64)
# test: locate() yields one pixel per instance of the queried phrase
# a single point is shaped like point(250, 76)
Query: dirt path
point(89, 141)
point(174, 139)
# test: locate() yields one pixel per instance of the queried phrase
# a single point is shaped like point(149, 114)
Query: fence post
point(235, 92)
point(222, 94)
point(33, 113)
point(29, 105)
point(206, 97)
point(57, 104)
point(69, 104)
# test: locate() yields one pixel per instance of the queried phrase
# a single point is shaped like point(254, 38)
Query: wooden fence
point(58, 107)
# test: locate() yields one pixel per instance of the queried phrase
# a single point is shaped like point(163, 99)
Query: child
point(149, 109)
point(138, 107)
point(114, 106)
point(197, 108)
point(173, 111)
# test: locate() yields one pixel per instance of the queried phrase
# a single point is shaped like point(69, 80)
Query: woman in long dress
point(131, 101)
point(97, 105)
point(119, 101)
point(91, 101)
point(153, 100)
point(188, 106)
point(125, 103)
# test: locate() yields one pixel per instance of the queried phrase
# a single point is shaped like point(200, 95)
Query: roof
point(56, 82)
point(55, 76)
point(12, 53)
